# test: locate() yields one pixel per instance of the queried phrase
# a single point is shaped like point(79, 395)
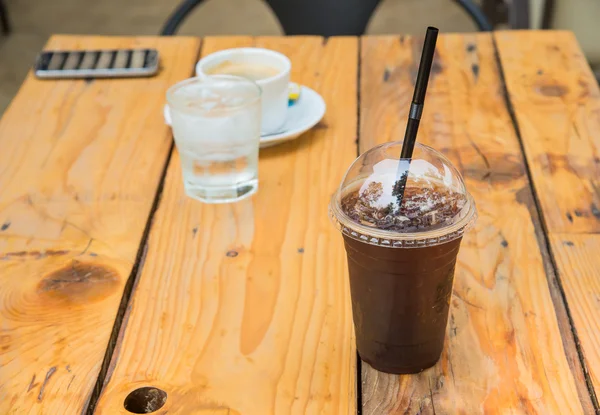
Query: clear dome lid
point(435, 206)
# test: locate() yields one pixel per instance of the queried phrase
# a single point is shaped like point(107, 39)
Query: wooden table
point(111, 279)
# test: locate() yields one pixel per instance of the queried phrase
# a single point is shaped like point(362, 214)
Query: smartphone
point(113, 63)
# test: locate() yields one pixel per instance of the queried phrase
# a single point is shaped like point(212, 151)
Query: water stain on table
point(79, 282)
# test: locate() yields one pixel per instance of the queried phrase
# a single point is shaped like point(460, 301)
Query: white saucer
point(302, 115)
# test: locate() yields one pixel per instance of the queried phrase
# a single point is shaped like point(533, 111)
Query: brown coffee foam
point(249, 70)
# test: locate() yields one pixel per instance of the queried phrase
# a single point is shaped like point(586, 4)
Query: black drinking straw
point(416, 109)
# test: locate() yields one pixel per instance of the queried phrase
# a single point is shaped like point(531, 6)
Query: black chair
point(514, 13)
point(321, 17)
point(4, 18)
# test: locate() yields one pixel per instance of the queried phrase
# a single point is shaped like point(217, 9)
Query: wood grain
point(244, 308)
point(557, 106)
point(503, 351)
point(79, 167)
point(577, 260)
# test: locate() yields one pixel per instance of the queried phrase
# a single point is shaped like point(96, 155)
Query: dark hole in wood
point(145, 400)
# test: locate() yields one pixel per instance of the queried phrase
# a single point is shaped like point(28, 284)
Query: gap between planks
point(568, 331)
point(120, 319)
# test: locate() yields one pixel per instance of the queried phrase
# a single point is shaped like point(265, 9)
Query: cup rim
point(176, 104)
point(201, 64)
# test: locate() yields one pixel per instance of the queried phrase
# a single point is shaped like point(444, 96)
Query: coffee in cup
point(253, 71)
point(401, 256)
point(269, 69)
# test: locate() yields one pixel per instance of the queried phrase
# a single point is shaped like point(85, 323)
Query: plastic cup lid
point(435, 207)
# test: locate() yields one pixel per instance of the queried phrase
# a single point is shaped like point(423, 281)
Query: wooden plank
point(503, 351)
point(577, 260)
point(557, 105)
point(244, 308)
point(80, 163)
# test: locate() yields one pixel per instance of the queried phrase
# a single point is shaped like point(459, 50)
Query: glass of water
point(216, 125)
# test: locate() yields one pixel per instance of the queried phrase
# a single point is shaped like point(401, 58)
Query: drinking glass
point(216, 124)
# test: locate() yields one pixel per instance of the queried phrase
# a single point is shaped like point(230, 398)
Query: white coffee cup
point(274, 88)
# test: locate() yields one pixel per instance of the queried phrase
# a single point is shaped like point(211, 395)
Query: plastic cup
point(401, 258)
